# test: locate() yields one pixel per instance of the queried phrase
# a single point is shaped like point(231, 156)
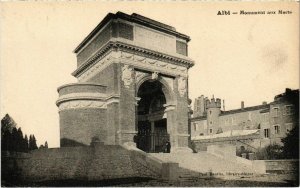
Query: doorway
point(152, 121)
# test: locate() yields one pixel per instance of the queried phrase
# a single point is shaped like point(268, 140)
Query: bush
point(241, 150)
point(270, 152)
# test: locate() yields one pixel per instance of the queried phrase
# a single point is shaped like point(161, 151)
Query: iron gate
point(152, 142)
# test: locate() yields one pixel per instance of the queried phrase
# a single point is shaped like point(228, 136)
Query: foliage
point(290, 147)
point(241, 150)
point(270, 152)
point(32, 143)
point(7, 124)
point(12, 139)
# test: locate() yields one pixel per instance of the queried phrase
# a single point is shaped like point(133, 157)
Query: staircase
point(204, 165)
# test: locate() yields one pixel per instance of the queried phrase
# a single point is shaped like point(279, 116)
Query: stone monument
point(132, 86)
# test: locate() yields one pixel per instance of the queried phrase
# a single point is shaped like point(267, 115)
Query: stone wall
point(282, 166)
point(74, 123)
point(87, 163)
point(251, 142)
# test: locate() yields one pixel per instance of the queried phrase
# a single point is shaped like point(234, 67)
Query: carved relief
point(154, 75)
point(81, 104)
point(136, 61)
point(139, 75)
point(127, 75)
point(127, 55)
point(169, 81)
point(182, 86)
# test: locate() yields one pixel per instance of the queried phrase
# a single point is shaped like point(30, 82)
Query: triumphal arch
point(132, 86)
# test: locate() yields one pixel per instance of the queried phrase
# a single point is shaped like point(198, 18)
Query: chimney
point(242, 105)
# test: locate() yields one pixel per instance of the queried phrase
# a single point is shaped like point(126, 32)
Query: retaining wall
point(96, 162)
point(282, 166)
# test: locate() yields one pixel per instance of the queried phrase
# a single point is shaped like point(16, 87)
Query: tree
point(14, 140)
point(5, 140)
point(46, 144)
point(19, 140)
point(7, 123)
point(25, 142)
point(32, 143)
point(291, 144)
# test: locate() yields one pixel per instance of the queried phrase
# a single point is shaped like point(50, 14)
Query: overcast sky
point(237, 57)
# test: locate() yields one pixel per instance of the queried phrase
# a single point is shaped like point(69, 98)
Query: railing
point(152, 142)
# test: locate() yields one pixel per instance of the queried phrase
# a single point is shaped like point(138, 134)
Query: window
point(181, 48)
point(275, 112)
point(195, 126)
point(249, 116)
point(277, 129)
point(210, 122)
point(266, 131)
point(289, 109)
point(265, 117)
point(210, 131)
point(210, 112)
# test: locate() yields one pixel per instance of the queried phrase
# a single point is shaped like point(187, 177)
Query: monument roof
point(136, 18)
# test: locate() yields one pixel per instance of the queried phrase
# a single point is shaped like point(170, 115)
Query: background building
point(251, 127)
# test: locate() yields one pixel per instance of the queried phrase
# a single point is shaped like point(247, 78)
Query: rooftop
point(136, 18)
point(226, 134)
point(251, 108)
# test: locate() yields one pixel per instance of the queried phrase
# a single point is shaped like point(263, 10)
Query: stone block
point(259, 166)
point(244, 155)
point(170, 171)
point(251, 156)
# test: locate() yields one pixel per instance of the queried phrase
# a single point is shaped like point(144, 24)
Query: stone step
point(197, 165)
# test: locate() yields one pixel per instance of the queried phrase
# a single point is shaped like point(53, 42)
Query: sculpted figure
point(127, 75)
point(182, 86)
point(154, 75)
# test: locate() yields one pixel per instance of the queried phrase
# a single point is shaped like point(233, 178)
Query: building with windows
point(249, 127)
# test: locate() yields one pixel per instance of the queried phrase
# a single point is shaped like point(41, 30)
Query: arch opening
point(151, 118)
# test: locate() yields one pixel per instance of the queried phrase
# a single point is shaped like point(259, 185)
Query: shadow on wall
point(65, 142)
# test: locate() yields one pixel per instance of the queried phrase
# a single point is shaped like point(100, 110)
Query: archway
point(151, 117)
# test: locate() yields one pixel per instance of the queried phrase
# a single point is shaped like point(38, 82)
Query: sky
point(237, 58)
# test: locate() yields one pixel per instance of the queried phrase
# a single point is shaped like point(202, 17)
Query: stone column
point(127, 106)
point(171, 125)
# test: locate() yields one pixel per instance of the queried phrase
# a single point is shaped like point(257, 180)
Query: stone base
point(130, 146)
point(170, 171)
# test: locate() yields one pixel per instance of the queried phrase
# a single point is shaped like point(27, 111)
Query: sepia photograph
point(149, 93)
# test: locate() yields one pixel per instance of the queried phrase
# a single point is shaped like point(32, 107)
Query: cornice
point(79, 84)
point(119, 46)
point(108, 47)
point(86, 100)
point(81, 96)
point(187, 62)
